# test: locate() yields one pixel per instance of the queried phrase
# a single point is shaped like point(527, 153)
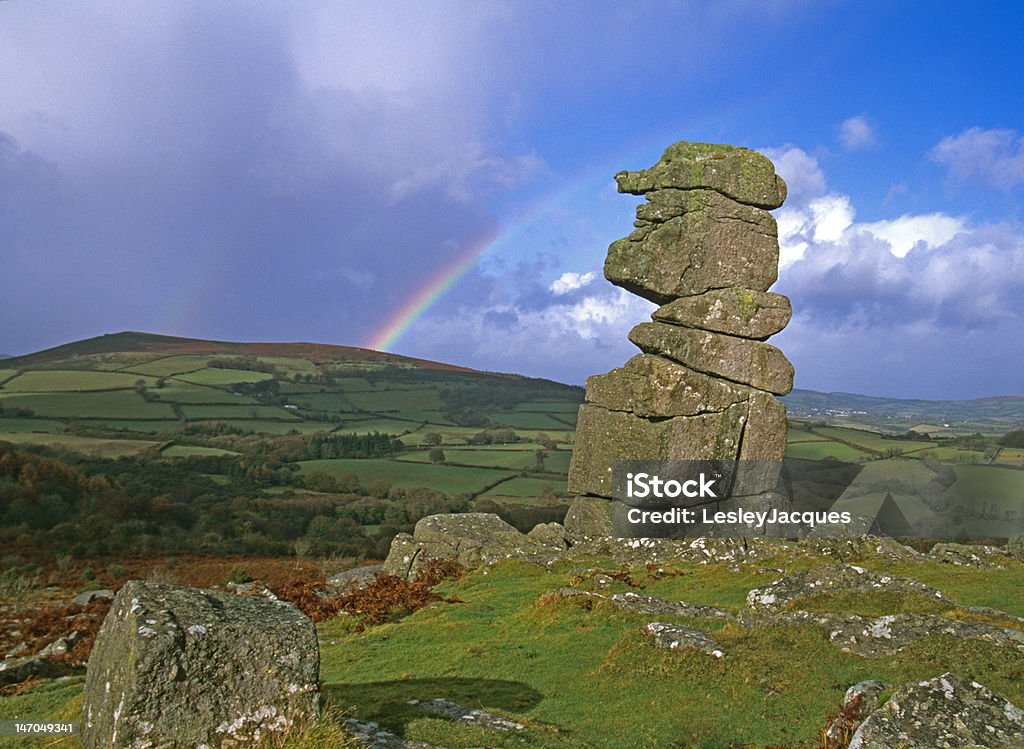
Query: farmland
point(257, 446)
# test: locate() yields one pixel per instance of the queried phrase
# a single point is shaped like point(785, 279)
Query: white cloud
point(799, 169)
point(831, 216)
point(856, 133)
point(570, 281)
point(906, 232)
point(989, 157)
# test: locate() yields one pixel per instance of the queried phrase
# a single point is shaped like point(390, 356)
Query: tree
point(431, 438)
point(437, 455)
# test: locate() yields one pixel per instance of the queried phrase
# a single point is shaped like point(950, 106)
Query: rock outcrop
point(706, 249)
point(187, 667)
point(945, 711)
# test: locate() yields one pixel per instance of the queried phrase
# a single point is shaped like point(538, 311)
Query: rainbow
point(399, 322)
point(385, 337)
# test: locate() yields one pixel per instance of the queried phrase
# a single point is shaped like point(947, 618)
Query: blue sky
point(299, 171)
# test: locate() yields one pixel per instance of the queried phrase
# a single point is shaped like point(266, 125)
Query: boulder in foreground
point(183, 667)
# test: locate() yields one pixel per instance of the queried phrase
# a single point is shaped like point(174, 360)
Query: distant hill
point(133, 342)
point(994, 415)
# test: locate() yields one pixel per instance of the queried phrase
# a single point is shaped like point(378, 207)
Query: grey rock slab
point(17, 669)
point(638, 603)
point(87, 597)
point(676, 636)
point(549, 534)
point(738, 173)
point(735, 311)
point(454, 711)
point(784, 592)
point(471, 538)
point(359, 577)
point(947, 711)
point(176, 666)
point(860, 700)
point(741, 360)
point(713, 243)
point(588, 517)
point(654, 387)
point(604, 436)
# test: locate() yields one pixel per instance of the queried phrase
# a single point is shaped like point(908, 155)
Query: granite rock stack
point(706, 249)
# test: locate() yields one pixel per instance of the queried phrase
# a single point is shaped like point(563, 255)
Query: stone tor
point(706, 249)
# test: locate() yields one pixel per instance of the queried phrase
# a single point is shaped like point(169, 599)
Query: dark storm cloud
point(203, 185)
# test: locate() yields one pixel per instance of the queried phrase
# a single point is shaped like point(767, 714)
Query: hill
point(996, 415)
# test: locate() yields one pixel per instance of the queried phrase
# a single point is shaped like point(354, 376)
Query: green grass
point(557, 461)
point(118, 404)
point(241, 411)
point(591, 678)
point(448, 480)
point(166, 366)
point(555, 407)
point(511, 459)
point(50, 699)
point(525, 487)
point(384, 426)
point(1011, 456)
point(819, 450)
point(89, 445)
point(185, 451)
point(869, 440)
point(220, 377)
point(197, 394)
point(1002, 486)
point(8, 425)
point(396, 400)
point(536, 421)
point(47, 381)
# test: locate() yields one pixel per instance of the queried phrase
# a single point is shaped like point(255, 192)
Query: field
point(449, 480)
point(581, 674)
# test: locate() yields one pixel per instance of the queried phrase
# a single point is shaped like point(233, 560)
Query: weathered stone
point(947, 711)
point(884, 635)
point(859, 701)
point(739, 312)
point(470, 538)
point(738, 173)
point(186, 667)
point(17, 669)
point(1015, 547)
point(654, 387)
point(641, 604)
point(713, 243)
point(782, 593)
point(764, 436)
point(588, 517)
point(468, 715)
point(742, 360)
point(549, 534)
point(604, 436)
point(968, 555)
point(84, 599)
point(676, 636)
point(359, 577)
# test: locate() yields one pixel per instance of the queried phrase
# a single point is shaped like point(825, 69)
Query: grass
point(242, 411)
point(587, 676)
point(166, 366)
point(105, 448)
point(185, 451)
point(525, 487)
point(220, 377)
point(448, 480)
point(45, 381)
point(13, 425)
point(820, 450)
point(511, 459)
point(536, 421)
point(113, 405)
point(582, 677)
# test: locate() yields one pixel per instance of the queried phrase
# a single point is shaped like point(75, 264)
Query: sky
point(435, 178)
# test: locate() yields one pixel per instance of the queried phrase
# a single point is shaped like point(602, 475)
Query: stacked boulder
point(706, 249)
